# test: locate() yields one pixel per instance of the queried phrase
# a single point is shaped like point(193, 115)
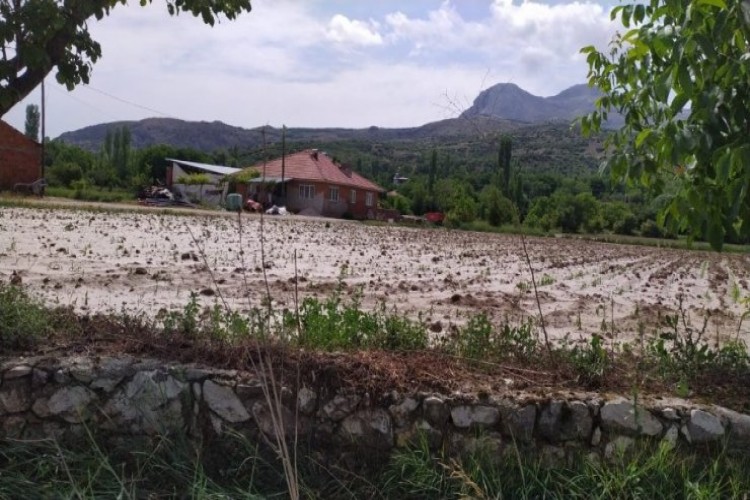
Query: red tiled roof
point(309, 165)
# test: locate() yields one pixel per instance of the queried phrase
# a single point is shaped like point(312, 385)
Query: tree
point(39, 35)
point(57, 151)
point(32, 122)
point(64, 174)
point(463, 210)
point(495, 207)
point(680, 77)
point(503, 162)
point(419, 198)
point(120, 155)
point(152, 160)
point(433, 172)
point(543, 214)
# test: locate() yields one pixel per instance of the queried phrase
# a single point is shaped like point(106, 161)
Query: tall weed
point(479, 339)
point(23, 319)
point(335, 324)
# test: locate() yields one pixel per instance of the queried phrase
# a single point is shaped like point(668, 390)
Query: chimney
point(346, 169)
point(314, 154)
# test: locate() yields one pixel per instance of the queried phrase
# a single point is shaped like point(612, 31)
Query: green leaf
point(722, 167)
point(642, 136)
point(683, 77)
point(631, 35)
point(716, 233)
point(714, 3)
point(639, 13)
point(638, 50)
point(678, 103)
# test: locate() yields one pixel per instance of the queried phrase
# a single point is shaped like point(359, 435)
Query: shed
point(20, 158)
point(212, 193)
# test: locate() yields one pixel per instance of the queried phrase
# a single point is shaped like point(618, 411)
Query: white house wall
point(297, 204)
point(209, 194)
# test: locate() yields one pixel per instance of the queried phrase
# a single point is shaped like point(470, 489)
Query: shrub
point(333, 324)
point(479, 340)
point(590, 361)
point(23, 319)
point(64, 174)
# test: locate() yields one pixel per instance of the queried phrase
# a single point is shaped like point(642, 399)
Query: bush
point(211, 323)
point(480, 340)
point(496, 208)
point(651, 229)
point(333, 324)
point(626, 225)
point(90, 193)
point(64, 174)
point(24, 319)
point(619, 218)
point(590, 361)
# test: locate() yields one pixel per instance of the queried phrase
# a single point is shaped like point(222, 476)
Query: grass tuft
point(23, 319)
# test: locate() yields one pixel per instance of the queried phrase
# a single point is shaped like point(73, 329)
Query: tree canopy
point(680, 77)
point(31, 127)
point(39, 35)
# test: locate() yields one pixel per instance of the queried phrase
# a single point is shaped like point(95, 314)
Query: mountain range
point(501, 108)
point(511, 102)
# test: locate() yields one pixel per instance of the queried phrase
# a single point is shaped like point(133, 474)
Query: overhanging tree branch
point(40, 35)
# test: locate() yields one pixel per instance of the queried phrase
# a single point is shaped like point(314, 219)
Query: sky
point(325, 63)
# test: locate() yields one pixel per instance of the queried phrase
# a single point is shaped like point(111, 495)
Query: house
point(20, 158)
point(212, 193)
point(311, 183)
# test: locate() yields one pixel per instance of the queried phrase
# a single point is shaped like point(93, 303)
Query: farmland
point(150, 263)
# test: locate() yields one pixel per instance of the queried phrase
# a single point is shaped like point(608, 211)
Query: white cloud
point(343, 30)
point(441, 30)
point(563, 28)
point(284, 63)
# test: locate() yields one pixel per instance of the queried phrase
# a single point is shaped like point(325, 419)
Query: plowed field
point(150, 262)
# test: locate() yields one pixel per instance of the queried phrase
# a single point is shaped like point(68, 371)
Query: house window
point(306, 191)
point(333, 193)
point(353, 196)
point(368, 199)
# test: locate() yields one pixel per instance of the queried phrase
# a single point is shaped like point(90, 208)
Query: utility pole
point(43, 128)
point(283, 162)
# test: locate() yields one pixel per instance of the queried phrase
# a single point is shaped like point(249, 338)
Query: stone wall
point(51, 397)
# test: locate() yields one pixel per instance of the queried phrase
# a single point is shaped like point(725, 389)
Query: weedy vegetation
point(678, 357)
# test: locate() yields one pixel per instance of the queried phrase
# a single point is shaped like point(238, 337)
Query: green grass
point(483, 226)
point(678, 244)
point(673, 355)
point(91, 194)
point(238, 467)
point(337, 324)
point(8, 200)
point(651, 471)
point(23, 319)
point(88, 467)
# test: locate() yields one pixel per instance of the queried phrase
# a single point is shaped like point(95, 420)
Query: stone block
point(622, 417)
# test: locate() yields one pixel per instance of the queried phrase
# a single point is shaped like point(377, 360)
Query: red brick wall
point(20, 158)
point(359, 210)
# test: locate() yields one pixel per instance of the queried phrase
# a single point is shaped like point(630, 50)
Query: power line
point(131, 103)
point(81, 101)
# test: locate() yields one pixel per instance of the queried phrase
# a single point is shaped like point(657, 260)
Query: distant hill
point(508, 101)
point(501, 108)
point(543, 139)
point(212, 136)
point(204, 136)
